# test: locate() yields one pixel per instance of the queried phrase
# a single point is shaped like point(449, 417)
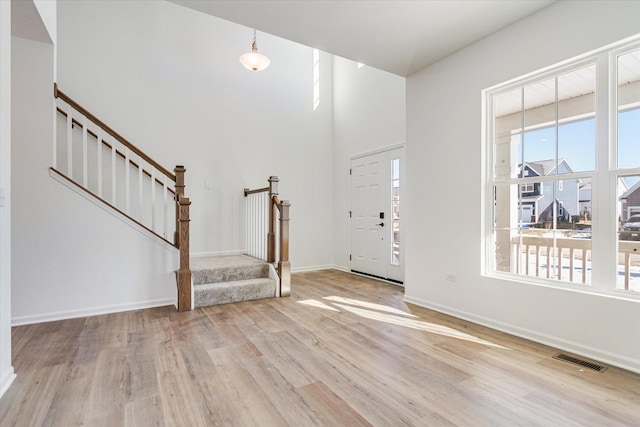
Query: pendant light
point(253, 60)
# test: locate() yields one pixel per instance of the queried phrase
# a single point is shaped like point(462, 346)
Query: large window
point(558, 147)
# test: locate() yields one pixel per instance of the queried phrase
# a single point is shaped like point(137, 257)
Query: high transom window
point(562, 200)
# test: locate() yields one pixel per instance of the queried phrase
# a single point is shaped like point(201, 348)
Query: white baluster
point(99, 145)
point(251, 225)
point(54, 163)
point(255, 226)
point(140, 179)
point(127, 180)
point(165, 196)
point(69, 145)
point(113, 174)
point(153, 199)
point(85, 178)
point(246, 223)
point(259, 226)
point(265, 223)
point(258, 221)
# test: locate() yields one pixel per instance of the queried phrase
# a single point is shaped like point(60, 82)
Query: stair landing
point(231, 278)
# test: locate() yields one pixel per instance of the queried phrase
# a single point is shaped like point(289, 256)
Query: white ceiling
point(401, 37)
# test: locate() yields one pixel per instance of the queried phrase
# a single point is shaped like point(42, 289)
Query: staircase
point(233, 278)
point(104, 167)
point(99, 163)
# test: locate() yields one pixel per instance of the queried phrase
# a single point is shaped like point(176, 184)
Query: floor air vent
point(580, 362)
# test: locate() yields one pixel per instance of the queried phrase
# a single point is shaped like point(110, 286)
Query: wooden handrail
point(259, 190)
point(79, 108)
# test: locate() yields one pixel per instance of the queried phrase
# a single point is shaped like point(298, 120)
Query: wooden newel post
point(179, 187)
point(184, 273)
point(181, 239)
point(271, 236)
point(284, 267)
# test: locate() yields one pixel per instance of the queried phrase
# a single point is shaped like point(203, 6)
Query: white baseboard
point(312, 268)
point(94, 311)
point(218, 253)
point(379, 279)
point(604, 356)
point(6, 380)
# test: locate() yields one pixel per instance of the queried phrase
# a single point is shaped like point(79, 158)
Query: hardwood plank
point(144, 412)
point(281, 393)
point(179, 404)
point(342, 350)
point(105, 403)
point(368, 396)
point(249, 402)
point(335, 410)
point(292, 369)
point(34, 400)
point(140, 378)
point(65, 409)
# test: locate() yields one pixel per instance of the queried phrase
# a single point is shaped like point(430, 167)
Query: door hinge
point(349, 171)
point(349, 214)
point(349, 257)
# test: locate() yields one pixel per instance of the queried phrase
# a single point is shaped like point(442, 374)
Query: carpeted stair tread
point(233, 291)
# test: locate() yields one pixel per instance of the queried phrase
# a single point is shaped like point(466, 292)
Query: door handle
point(381, 224)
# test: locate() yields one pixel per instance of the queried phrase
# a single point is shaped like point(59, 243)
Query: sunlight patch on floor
point(416, 324)
point(318, 304)
point(394, 316)
point(370, 305)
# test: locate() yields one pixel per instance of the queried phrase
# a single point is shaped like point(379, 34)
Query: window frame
point(603, 178)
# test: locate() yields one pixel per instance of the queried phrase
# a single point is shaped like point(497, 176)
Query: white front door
point(375, 233)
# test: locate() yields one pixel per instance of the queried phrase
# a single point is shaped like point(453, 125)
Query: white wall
point(444, 159)
point(48, 11)
point(70, 258)
point(168, 79)
point(369, 114)
point(6, 370)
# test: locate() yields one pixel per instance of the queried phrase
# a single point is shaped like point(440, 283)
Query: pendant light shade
point(253, 60)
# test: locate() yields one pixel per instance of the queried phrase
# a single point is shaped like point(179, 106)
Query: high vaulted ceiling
point(401, 37)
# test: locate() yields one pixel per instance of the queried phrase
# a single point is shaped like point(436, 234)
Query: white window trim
point(604, 236)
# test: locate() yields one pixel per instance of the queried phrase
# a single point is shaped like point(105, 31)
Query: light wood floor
point(342, 351)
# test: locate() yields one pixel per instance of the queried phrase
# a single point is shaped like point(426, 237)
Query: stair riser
point(228, 274)
point(223, 293)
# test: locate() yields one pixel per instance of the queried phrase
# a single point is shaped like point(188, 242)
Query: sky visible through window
point(577, 144)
